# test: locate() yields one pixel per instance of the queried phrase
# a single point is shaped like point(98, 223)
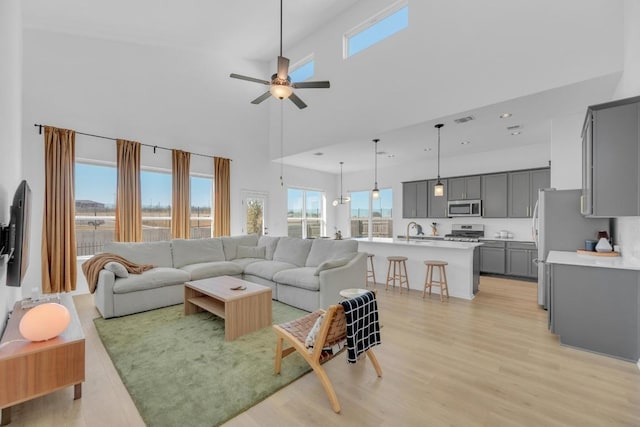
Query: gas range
point(465, 233)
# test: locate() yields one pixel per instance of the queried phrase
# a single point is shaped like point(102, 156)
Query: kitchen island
point(463, 269)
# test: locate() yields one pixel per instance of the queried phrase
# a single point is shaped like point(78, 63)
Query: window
point(305, 213)
point(302, 70)
point(201, 202)
point(369, 217)
point(95, 191)
point(155, 189)
point(383, 25)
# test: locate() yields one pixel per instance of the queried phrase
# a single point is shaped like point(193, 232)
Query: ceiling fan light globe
point(281, 91)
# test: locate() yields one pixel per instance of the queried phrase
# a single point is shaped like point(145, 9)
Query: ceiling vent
point(514, 127)
point(464, 119)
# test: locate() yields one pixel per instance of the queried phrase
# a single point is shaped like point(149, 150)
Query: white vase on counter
point(603, 245)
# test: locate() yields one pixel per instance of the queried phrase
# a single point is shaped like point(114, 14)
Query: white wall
point(161, 96)
point(566, 151)
point(10, 128)
point(532, 156)
point(628, 228)
point(412, 77)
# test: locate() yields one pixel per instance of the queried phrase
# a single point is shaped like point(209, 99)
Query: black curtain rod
point(155, 147)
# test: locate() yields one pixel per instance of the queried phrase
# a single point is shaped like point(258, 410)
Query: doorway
point(254, 206)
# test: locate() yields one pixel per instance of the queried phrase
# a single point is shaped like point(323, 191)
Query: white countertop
point(506, 239)
point(444, 244)
point(573, 258)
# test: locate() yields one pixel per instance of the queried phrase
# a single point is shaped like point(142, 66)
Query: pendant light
point(375, 193)
point(341, 200)
point(438, 189)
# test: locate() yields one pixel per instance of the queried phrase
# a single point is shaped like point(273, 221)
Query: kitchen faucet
point(415, 224)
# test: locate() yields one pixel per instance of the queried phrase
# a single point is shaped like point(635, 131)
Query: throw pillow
point(332, 263)
point(116, 268)
point(251, 252)
point(310, 341)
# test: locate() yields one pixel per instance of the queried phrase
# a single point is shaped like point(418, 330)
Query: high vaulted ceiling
point(537, 59)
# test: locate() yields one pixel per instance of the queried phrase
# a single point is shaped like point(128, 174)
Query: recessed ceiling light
point(427, 149)
point(318, 154)
point(516, 133)
point(381, 153)
point(465, 142)
point(505, 115)
point(391, 155)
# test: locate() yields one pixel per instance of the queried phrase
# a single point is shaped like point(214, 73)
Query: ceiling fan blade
point(311, 85)
point(250, 79)
point(261, 98)
point(299, 102)
point(283, 67)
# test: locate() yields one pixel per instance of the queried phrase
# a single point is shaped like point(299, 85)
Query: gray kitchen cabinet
point(494, 195)
point(523, 189)
point(596, 309)
point(437, 206)
point(611, 145)
point(519, 259)
point(464, 188)
point(492, 257)
point(414, 199)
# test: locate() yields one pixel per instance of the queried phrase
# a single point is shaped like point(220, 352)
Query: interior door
point(254, 207)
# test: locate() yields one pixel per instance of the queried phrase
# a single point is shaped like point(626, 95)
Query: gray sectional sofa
point(307, 274)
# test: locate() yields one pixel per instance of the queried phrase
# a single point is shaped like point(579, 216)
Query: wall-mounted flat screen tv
point(17, 235)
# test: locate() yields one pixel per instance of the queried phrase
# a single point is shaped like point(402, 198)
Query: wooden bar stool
point(442, 278)
point(371, 272)
point(399, 272)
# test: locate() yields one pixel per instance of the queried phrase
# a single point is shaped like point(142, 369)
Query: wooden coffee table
point(243, 310)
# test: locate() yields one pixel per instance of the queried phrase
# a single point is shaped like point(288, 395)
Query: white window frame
point(384, 13)
point(371, 202)
point(323, 221)
point(301, 63)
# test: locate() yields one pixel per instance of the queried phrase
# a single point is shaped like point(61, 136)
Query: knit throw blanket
point(363, 328)
point(91, 267)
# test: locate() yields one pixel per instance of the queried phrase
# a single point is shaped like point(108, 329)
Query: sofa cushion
point(251, 252)
point(116, 268)
point(292, 250)
point(332, 263)
point(270, 243)
point(302, 277)
point(154, 253)
point(323, 250)
point(150, 279)
point(266, 269)
point(212, 269)
point(231, 244)
point(243, 262)
point(196, 251)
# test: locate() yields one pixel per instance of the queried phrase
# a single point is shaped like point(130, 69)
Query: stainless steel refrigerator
point(558, 225)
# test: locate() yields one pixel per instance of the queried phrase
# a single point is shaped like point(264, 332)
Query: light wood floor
point(486, 362)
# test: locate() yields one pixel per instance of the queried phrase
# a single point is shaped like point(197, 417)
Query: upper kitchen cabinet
point(610, 149)
point(523, 191)
point(414, 199)
point(494, 195)
point(437, 205)
point(464, 188)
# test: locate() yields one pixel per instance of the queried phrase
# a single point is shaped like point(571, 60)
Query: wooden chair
point(332, 333)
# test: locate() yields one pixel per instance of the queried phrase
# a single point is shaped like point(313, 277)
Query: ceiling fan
point(280, 84)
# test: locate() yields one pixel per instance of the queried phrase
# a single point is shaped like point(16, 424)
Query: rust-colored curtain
point(222, 208)
point(58, 224)
point(181, 195)
point(128, 198)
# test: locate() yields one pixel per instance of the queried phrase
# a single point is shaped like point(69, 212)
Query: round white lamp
point(44, 321)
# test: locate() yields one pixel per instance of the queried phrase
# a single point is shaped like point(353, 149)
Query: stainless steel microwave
point(464, 208)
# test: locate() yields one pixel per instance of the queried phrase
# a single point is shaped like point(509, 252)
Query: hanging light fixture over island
point(375, 193)
point(438, 189)
point(341, 200)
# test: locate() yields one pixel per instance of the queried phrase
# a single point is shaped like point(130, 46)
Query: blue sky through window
point(382, 29)
point(98, 183)
point(303, 72)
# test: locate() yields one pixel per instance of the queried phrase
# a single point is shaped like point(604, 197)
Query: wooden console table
point(33, 369)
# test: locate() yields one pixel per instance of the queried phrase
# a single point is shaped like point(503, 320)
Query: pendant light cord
point(281, 144)
point(375, 162)
point(438, 154)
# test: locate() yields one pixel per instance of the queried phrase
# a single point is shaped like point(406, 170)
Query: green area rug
point(180, 371)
